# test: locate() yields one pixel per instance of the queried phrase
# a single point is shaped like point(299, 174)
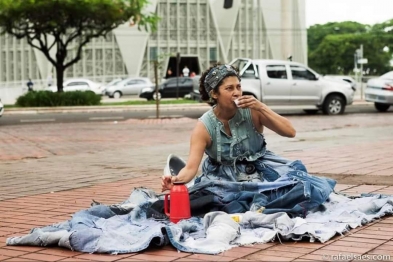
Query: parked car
point(168, 89)
point(129, 86)
point(111, 83)
point(282, 82)
point(79, 84)
point(195, 95)
point(380, 91)
point(1, 108)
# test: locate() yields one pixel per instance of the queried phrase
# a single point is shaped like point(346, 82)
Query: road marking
point(106, 118)
point(167, 116)
point(37, 120)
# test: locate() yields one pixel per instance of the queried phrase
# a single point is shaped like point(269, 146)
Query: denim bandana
point(215, 76)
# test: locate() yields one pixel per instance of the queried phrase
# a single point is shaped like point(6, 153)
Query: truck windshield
point(240, 63)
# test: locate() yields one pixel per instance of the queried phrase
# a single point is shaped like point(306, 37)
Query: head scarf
point(216, 75)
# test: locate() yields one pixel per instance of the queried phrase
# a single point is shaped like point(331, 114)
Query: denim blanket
point(125, 228)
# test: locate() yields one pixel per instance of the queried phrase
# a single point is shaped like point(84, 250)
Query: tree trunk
point(60, 78)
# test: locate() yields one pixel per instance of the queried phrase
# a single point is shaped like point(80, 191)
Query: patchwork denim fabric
point(286, 184)
point(98, 230)
point(291, 193)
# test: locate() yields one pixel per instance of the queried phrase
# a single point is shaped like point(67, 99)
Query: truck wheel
point(333, 105)
point(381, 107)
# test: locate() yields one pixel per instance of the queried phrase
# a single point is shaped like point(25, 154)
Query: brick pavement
point(50, 171)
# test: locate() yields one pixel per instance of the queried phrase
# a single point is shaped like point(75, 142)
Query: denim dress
point(243, 156)
point(241, 162)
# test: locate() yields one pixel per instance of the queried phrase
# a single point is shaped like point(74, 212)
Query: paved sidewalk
point(50, 171)
point(19, 215)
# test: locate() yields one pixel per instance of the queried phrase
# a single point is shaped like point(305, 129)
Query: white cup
point(236, 102)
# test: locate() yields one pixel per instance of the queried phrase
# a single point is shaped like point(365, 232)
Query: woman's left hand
point(249, 101)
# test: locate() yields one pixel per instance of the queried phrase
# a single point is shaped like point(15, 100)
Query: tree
point(316, 33)
point(58, 24)
point(335, 54)
point(384, 27)
point(332, 46)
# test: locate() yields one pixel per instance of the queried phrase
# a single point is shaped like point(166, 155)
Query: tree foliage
point(316, 33)
point(332, 47)
point(60, 24)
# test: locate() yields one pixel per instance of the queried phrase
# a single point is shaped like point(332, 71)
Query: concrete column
point(287, 28)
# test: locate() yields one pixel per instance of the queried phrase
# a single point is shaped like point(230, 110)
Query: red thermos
point(180, 203)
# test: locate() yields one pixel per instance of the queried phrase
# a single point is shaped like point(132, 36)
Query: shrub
point(49, 98)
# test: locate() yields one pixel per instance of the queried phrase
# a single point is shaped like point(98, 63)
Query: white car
point(1, 108)
point(129, 86)
point(380, 91)
point(80, 84)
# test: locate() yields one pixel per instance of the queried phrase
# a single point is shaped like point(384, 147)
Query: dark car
point(168, 89)
point(195, 94)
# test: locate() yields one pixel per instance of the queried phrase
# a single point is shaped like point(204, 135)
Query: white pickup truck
point(279, 82)
point(1, 108)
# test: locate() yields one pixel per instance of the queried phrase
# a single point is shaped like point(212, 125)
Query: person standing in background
point(30, 85)
point(186, 71)
point(49, 80)
point(169, 73)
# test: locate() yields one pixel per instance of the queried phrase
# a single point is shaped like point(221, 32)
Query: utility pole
point(355, 68)
point(156, 94)
point(178, 74)
point(361, 60)
point(361, 73)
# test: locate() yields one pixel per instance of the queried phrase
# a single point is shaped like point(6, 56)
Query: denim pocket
point(298, 165)
point(320, 188)
point(237, 147)
point(267, 173)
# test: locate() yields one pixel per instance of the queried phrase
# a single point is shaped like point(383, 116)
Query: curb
point(165, 107)
point(81, 109)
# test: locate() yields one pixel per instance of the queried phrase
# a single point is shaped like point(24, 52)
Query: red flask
point(180, 203)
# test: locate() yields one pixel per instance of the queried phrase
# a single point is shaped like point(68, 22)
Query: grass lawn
point(145, 102)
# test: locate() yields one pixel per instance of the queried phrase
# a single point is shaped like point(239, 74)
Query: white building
point(201, 30)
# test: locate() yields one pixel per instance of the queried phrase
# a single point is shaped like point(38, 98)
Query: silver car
point(129, 86)
point(111, 83)
point(380, 91)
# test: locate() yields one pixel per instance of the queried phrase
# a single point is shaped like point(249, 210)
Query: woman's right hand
point(167, 182)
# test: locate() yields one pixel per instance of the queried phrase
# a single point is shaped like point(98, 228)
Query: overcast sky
point(362, 11)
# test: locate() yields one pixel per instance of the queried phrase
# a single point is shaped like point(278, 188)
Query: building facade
point(202, 31)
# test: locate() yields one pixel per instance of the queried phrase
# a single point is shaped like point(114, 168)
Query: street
point(111, 114)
